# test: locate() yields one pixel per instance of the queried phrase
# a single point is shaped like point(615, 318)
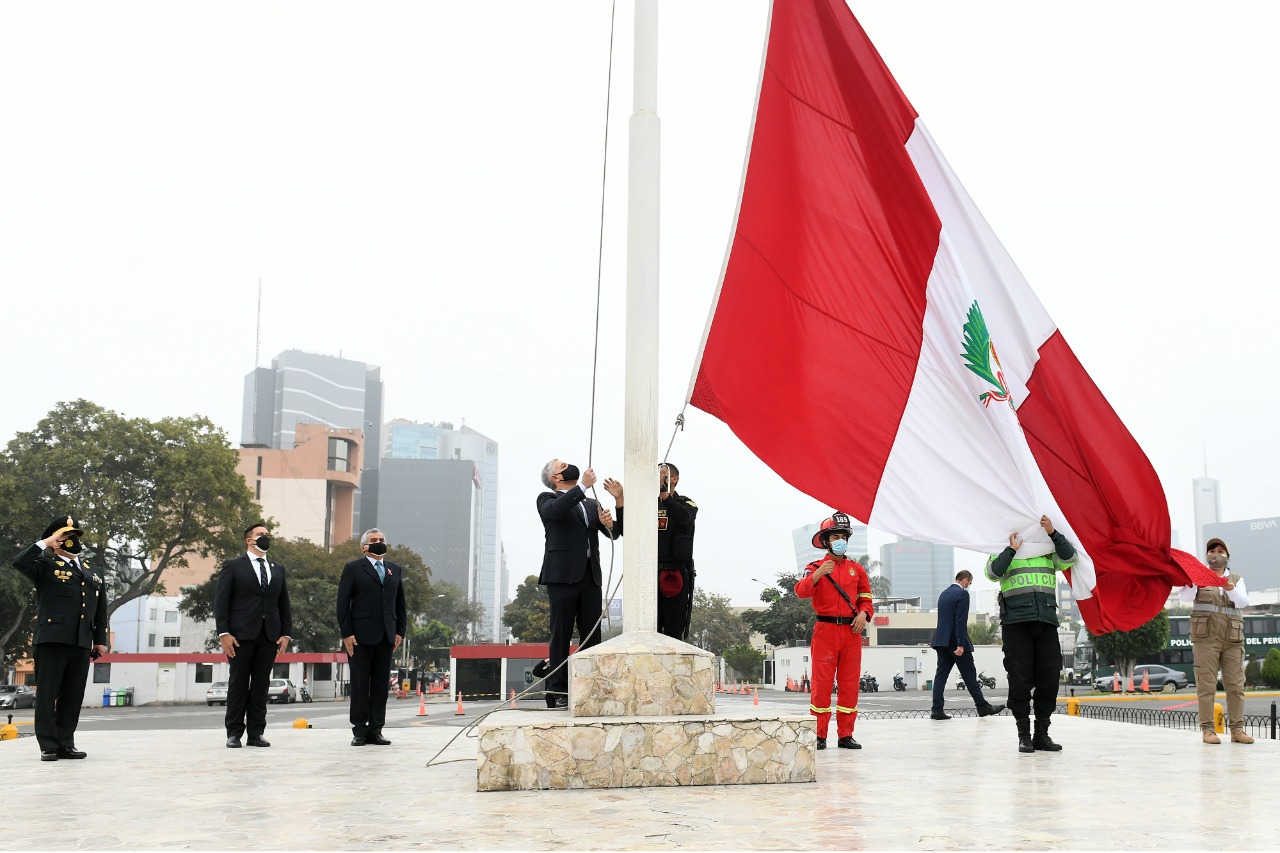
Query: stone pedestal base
point(537, 750)
point(641, 674)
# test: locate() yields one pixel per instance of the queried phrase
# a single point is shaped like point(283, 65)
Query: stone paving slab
point(917, 784)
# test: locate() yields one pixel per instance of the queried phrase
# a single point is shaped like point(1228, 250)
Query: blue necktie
point(382, 572)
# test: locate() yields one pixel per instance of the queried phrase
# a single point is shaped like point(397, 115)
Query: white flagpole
point(640, 448)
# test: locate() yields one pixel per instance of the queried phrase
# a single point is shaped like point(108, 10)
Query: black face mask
point(263, 542)
point(71, 545)
point(377, 548)
point(570, 474)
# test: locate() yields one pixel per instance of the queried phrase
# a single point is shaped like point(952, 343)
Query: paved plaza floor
point(917, 784)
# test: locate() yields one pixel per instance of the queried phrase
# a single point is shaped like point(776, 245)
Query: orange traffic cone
point(1146, 683)
point(755, 696)
point(1131, 684)
point(422, 705)
point(1115, 681)
point(717, 687)
point(513, 699)
point(459, 712)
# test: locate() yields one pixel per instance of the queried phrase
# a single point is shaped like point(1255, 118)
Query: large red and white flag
point(873, 343)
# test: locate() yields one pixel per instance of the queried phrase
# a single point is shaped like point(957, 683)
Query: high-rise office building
point(918, 569)
point(1255, 550)
point(436, 507)
point(1208, 508)
point(304, 387)
point(442, 442)
point(802, 543)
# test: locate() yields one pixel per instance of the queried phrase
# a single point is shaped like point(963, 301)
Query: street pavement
point(1116, 786)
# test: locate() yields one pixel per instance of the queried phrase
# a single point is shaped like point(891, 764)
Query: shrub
point(1271, 669)
point(1253, 672)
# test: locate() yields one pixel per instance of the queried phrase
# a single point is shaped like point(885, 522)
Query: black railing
point(1258, 725)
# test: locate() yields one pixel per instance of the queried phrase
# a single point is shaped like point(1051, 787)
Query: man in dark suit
point(373, 621)
point(71, 629)
point(951, 642)
point(254, 623)
point(572, 523)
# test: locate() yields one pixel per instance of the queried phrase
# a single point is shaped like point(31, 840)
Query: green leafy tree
point(985, 633)
point(17, 595)
point(1125, 647)
point(1253, 672)
point(529, 614)
point(788, 619)
point(746, 661)
point(430, 643)
point(1271, 669)
point(714, 625)
point(449, 605)
point(150, 494)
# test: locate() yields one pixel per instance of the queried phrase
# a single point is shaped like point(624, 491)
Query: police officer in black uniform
point(71, 628)
point(676, 515)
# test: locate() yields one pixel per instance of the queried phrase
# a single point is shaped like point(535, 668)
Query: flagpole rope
point(469, 729)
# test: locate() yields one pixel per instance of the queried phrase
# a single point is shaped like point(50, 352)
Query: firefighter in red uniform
point(843, 604)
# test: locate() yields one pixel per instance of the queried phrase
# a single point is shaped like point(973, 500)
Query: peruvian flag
point(860, 269)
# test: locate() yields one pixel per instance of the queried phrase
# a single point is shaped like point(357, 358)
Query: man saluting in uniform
point(71, 628)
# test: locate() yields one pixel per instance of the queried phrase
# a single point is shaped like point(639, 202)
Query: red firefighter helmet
point(837, 523)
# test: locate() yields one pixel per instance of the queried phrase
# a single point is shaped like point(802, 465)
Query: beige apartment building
point(309, 489)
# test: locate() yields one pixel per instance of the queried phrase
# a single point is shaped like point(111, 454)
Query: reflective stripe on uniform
point(842, 710)
point(1213, 608)
point(815, 709)
point(864, 595)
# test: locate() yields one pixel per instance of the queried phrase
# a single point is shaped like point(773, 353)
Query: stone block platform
point(554, 750)
point(641, 673)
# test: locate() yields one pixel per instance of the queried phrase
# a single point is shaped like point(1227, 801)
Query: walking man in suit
point(71, 629)
point(572, 523)
point(373, 620)
point(254, 623)
point(951, 642)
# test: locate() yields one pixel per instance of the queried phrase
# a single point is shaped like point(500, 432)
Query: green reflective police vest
point(1029, 588)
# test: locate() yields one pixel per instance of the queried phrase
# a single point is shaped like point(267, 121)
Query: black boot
point(1024, 736)
point(822, 743)
point(1042, 740)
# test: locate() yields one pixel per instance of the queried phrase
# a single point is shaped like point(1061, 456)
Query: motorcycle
point(868, 683)
point(983, 679)
point(899, 683)
point(306, 695)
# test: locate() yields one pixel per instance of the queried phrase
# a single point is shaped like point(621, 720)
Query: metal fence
point(1258, 725)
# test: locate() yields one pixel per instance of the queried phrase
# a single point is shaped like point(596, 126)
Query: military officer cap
point(60, 523)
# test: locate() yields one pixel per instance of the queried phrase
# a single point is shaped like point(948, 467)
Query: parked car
point(217, 692)
point(282, 690)
point(17, 696)
point(1158, 677)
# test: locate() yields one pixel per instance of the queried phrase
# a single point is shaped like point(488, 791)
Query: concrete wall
point(884, 661)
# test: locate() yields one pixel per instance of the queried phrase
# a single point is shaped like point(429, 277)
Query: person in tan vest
point(1217, 642)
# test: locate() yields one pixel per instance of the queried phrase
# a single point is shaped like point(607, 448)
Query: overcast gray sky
point(418, 187)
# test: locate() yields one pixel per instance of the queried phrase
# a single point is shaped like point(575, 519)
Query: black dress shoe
point(377, 739)
point(847, 742)
point(233, 742)
point(562, 702)
point(72, 752)
point(48, 755)
point(990, 710)
point(822, 743)
point(939, 715)
point(357, 741)
point(258, 740)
